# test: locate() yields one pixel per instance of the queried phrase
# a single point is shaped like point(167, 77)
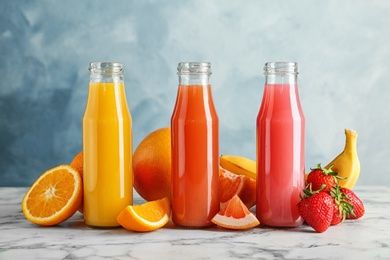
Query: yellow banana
point(347, 163)
point(239, 165)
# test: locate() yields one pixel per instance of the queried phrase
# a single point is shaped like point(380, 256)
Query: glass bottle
point(195, 148)
point(280, 147)
point(107, 146)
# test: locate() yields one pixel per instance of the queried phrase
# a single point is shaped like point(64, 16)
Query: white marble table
point(366, 238)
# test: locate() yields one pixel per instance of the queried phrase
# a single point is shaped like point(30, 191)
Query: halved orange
point(146, 217)
point(232, 184)
point(54, 197)
point(235, 216)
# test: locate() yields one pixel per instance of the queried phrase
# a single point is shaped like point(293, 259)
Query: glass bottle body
point(195, 149)
point(107, 146)
point(280, 148)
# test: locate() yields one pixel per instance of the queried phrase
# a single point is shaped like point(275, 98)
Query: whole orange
point(77, 163)
point(152, 165)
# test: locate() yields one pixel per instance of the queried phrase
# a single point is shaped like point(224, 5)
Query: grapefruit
point(235, 216)
point(233, 184)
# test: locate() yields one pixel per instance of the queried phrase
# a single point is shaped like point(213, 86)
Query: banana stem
point(350, 141)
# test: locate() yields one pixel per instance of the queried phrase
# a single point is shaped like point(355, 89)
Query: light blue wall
point(342, 47)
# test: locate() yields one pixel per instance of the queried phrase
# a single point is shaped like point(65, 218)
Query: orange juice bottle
point(195, 148)
point(107, 146)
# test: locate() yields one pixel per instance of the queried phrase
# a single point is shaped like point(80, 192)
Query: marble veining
point(366, 238)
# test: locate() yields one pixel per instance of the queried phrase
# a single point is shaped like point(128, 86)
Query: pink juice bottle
point(280, 147)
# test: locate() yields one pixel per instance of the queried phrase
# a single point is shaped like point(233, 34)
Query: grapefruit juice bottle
point(107, 144)
point(195, 148)
point(280, 148)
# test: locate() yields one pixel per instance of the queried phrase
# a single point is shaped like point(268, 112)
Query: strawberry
point(316, 208)
point(321, 175)
point(358, 206)
point(342, 207)
point(338, 216)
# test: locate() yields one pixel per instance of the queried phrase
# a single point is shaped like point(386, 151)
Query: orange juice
point(195, 156)
point(107, 144)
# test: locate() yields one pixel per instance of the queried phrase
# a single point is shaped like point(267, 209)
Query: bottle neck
point(187, 80)
point(106, 72)
point(281, 73)
point(194, 73)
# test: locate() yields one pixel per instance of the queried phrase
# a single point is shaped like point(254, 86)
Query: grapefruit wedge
point(231, 184)
point(235, 216)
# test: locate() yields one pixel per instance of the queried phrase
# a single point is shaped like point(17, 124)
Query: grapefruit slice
point(235, 216)
point(231, 184)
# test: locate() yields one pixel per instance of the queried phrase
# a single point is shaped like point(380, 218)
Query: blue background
point(342, 48)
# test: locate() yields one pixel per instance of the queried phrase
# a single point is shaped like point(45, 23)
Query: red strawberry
point(320, 175)
point(342, 206)
point(316, 208)
point(358, 206)
point(337, 217)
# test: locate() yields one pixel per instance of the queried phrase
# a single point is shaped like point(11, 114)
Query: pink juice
point(280, 156)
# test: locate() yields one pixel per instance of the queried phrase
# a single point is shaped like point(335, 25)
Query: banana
point(239, 165)
point(347, 163)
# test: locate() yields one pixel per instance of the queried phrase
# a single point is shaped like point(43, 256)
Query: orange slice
point(235, 216)
point(146, 217)
point(54, 197)
point(232, 184)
